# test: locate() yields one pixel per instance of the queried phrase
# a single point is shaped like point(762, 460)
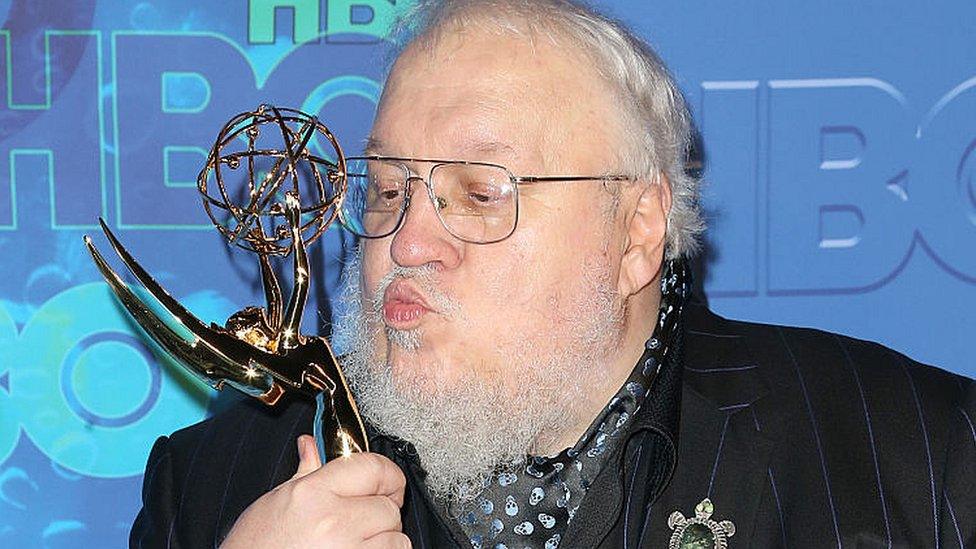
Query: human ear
point(646, 229)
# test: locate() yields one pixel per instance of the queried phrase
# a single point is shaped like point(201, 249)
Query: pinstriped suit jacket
point(801, 438)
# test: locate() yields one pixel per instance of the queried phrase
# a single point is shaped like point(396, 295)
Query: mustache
point(425, 279)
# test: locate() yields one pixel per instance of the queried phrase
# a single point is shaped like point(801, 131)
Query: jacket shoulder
point(856, 430)
point(199, 479)
point(236, 422)
point(831, 363)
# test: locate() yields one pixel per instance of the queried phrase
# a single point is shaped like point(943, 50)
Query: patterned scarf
point(533, 506)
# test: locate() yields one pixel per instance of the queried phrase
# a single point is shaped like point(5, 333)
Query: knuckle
point(334, 524)
point(329, 525)
point(375, 466)
point(401, 541)
point(375, 462)
point(398, 474)
point(392, 508)
point(305, 491)
point(385, 467)
point(299, 490)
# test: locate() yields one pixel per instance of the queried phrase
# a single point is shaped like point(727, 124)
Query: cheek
point(375, 264)
point(573, 258)
point(542, 266)
point(498, 287)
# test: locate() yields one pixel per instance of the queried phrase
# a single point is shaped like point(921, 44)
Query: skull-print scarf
point(532, 506)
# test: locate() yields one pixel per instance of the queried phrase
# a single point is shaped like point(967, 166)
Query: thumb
point(308, 456)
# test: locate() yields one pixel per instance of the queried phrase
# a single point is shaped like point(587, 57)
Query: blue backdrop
point(837, 145)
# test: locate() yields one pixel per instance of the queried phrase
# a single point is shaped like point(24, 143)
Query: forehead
point(471, 88)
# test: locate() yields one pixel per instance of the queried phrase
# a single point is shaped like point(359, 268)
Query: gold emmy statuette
point(286, 198)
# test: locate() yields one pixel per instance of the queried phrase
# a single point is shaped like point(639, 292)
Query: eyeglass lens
point(475, 202)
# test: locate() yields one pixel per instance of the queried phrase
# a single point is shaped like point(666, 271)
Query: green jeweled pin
point(700, 531)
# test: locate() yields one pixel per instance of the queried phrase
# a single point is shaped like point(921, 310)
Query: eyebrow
point(375, 146)
point(490, 147)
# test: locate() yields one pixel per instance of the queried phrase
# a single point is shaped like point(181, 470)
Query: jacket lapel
point(421, 523)
point(722, 452)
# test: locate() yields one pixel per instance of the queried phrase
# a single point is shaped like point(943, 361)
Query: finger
point(312, 447)
point(372, 515)
point(388, 540)
point(308, 456)
point(397, 497)
point(365, 474)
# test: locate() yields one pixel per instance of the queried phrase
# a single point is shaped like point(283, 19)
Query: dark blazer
point(801, 438)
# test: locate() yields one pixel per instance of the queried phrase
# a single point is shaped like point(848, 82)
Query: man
point(523, 348)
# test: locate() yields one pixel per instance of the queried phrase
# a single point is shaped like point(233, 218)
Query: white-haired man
point(524, 350)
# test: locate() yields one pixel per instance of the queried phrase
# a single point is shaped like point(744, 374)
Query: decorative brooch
point(700, 531)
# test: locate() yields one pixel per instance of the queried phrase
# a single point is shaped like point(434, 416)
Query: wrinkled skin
point(538, 111)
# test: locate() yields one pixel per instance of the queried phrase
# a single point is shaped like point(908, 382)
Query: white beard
point(466, 431)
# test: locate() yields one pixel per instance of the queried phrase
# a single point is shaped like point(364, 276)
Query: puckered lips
point(403, 306)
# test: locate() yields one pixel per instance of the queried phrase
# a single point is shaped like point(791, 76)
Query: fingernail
point(302, 449)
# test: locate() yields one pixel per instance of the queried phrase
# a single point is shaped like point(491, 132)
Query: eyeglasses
point(476, 202)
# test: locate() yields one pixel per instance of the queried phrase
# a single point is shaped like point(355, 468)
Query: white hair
point(657, 125)
point(487, 423)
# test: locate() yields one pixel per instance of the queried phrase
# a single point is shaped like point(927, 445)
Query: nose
point(421, 238)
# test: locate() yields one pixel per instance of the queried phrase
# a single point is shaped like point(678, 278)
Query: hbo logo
point(85, 390)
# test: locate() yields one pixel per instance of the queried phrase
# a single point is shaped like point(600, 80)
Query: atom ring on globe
point(285, 198)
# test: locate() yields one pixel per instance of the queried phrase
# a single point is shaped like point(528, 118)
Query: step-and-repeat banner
point(837, 143)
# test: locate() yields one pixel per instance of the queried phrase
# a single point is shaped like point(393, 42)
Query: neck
point(640, 318)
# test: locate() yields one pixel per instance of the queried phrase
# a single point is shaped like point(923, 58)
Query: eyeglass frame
point(516, 180)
